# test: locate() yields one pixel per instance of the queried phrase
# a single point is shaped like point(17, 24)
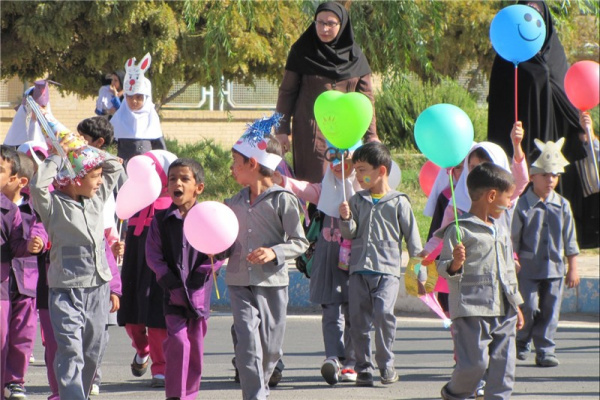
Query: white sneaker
point(95, 390)
point(348, 375)
point(330, 370)
point(31, 359)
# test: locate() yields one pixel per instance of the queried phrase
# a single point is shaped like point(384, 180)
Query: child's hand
point(517, 266)
point(586, 123)
point(284, 140)
point(116, 303)
point(459, 256)
point(421, 286)
point(345, 210)
point(35, 245)
point(423, 254)
point(520, 319)
point(517, 133)
point(118, 249)
point(572, 279)
point(262, 255)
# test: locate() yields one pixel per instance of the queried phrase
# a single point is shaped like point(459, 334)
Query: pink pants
point(149, 341)
point(185, 349)
point(49, 351)
point(21, 337)
point(4, 322)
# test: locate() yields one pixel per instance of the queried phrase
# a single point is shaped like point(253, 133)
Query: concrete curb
point(583, 299)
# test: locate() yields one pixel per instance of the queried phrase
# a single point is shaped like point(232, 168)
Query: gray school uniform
point(483, 303)
point(259, 293)
point(376, 231)
point(543, 234)
point(78, 274)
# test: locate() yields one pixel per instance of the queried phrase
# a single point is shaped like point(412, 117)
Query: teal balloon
point(343, 118)
point(517, 33)
point(444, 134)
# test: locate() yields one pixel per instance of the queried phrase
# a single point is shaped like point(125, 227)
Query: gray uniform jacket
point(488, 273)
point(75, 229)
point(543, 232)
point(272, 220)
point(377, 230)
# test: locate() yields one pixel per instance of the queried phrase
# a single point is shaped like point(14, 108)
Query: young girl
point(136, 123)
point(329, 281)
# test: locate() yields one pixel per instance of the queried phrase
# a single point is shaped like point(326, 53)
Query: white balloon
point(395, 176)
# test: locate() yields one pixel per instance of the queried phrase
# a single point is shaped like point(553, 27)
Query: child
point(136, 123)
point(484, 299)
point(78, 275)
point(186, 278)
point(23, 277)
point(141, 311)
point(270, 234)
point(376, 219)
point(543, 232)
point(98, 132)
point(328, 281)
point(12, 244)
point(24, 127)
point(110, 96)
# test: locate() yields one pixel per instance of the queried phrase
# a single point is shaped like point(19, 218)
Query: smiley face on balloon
point(517, 33)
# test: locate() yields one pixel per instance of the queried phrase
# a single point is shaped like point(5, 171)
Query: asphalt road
point(423, 359)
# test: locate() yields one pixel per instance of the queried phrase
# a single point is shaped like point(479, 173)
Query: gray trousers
point(371, 303)
point(259, 315)
point(544, 295)
point(335, 324)
point(482, 343)
point(78, 318)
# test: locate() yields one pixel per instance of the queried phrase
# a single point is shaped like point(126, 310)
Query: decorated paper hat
point(253, 143)
point(41, 93)
point(82, 161)
point(135, 82)
point(551, 161)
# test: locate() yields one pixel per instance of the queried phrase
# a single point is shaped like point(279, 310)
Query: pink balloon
point(142, 188)
point(211, 227)
point(582, 84)
point(427, 176)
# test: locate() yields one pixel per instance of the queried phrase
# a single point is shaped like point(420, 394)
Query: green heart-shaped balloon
point(343, 118)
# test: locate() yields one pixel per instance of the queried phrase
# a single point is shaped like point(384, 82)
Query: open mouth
point(177, 194)
point(524, 38)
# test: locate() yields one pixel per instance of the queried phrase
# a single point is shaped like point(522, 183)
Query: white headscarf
point(331, 192)
point(21, 130)
point(498, 156)
point(141, 124)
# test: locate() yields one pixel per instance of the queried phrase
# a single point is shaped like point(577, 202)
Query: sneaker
point(364, 379)
point(546, 360)
point(14, 391)
point(157, 382)
point(276, 375)
point(348, 375)
point(523, 352)
point(236, 378)
point(31, 359)
point(480, 391)
point(389, 375)
point(95, 390)
point(139, 369)
point(330, 371)
point(444, 393)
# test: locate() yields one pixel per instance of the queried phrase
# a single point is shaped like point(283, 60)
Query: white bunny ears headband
point(135, 82)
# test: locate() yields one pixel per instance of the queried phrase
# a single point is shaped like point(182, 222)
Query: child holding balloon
point(270, 234)
point(376, 219)
point(484, 296)
point(186, 279)
point(329, 280)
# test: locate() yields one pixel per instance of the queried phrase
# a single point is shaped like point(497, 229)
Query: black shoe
point(364, 379)
point(523, 352)
point(277, 374)
point(139, 369)
point(236, 378)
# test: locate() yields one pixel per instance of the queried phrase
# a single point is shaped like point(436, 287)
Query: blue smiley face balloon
point(517, 33)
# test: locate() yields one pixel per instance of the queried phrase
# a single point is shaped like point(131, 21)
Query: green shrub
point(401, 100)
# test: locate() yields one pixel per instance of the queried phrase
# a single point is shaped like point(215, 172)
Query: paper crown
point(253, 144)
point(82, 160)
point(551, 161)
point(135, 82)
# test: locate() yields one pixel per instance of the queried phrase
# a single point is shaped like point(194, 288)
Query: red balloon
point(427, 176)
point(582, 84)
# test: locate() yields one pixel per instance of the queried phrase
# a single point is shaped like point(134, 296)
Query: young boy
point(186, 278)
point(376, 219)
point(270, 234)
point(543, 232)
point(78, 275)
point(24, 279)
point(484, 299)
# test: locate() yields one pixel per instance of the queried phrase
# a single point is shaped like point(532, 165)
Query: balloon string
point(343, 179)
point(454, 206)
point(516, 92)
point(591, 143)
point(212, 267)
